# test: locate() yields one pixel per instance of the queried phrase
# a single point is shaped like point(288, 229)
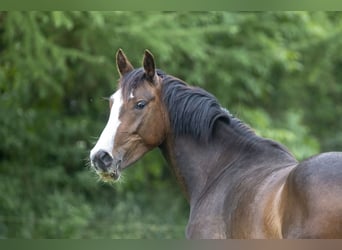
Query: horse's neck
point(191, 162)
point(198, 165)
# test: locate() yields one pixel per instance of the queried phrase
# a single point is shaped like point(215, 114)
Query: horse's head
point(137, 121)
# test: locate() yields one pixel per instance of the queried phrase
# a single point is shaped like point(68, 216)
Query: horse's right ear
point(122, 63)
point(149, 65)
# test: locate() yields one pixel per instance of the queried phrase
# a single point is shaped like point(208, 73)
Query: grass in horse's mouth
point(109, 177)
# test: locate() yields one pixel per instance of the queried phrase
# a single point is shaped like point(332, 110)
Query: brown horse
point(239, 185)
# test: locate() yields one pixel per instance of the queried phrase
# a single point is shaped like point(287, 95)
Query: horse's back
point(312, 198)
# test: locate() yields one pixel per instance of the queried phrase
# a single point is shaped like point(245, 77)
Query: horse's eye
point(140, 104)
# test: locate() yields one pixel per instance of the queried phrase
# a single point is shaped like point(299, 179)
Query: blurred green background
point(280, 72)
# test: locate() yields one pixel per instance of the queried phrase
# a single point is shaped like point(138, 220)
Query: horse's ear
point(149, 65)
point(122, 63)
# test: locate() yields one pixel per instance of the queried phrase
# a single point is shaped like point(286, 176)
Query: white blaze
point(106, 140)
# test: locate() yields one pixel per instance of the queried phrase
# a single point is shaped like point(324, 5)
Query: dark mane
point(192, 110)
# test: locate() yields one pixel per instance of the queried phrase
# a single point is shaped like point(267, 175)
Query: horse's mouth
point(107, 168)
point(110, 176)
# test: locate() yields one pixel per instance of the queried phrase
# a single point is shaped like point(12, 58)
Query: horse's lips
point(112, 174)
point(115, 174)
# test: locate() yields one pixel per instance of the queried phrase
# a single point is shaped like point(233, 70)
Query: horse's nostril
point(103, 160)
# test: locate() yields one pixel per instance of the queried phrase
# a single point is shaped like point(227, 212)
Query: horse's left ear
point(149, 65)
point(122, 63)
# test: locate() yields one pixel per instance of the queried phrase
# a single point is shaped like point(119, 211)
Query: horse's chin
point(113, 174)
point(110, 177)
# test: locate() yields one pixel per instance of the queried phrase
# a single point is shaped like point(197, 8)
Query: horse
point(239, 185)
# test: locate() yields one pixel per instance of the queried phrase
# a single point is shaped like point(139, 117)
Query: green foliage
point(278, 71)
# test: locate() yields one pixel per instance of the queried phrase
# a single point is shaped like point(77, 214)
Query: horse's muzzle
point(102, 160)
point(107, 167)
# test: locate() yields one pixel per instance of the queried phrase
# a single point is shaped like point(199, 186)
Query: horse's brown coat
point(238, 185)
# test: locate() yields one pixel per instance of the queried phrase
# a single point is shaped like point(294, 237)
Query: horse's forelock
point(130, 81)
